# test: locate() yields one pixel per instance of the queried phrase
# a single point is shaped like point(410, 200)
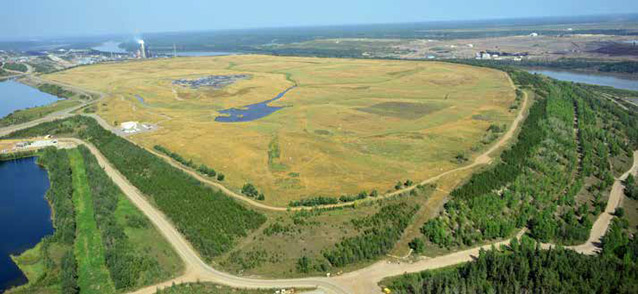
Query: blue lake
point(251, 112)
point(15, 96)
point(594, 79)
point(25, 215)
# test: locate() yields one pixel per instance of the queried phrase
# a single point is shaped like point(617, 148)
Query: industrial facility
point(143, 52)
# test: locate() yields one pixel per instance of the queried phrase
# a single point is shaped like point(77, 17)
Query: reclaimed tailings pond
point(25, 215)
point(15, 96)
point(251, 112)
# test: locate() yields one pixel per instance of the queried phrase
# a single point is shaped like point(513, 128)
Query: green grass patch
point(93, 276)
point(31, 263)
point(274, 154)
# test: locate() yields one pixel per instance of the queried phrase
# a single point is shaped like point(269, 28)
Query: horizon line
point(566, 18)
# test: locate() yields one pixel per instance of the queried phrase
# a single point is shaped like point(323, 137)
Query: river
point(15, 96)
point(25, 215)
point(594, 79)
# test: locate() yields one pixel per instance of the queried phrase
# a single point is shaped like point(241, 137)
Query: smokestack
point(142, 48)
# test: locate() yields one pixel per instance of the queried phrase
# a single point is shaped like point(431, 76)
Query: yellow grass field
point(350, 125)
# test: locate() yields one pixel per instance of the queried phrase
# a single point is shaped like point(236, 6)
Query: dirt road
point(599, 228)
point(16, 74)
point(361, 281)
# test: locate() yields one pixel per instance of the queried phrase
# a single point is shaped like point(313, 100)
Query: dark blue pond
point(25, 216)
point(251, 112)
point(15, 95)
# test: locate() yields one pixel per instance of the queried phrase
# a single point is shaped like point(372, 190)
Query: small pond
point(140, 99)
point(251, 112)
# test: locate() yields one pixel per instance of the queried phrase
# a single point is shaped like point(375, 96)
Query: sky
point(29, 19)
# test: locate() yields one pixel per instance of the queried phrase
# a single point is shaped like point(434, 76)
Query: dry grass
point(342, 134)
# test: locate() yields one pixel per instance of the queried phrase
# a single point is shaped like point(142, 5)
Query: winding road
point(16, 74)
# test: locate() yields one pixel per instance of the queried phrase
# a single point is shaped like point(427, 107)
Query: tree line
point(56, 90)
point(60, 195)
point(202, 168)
